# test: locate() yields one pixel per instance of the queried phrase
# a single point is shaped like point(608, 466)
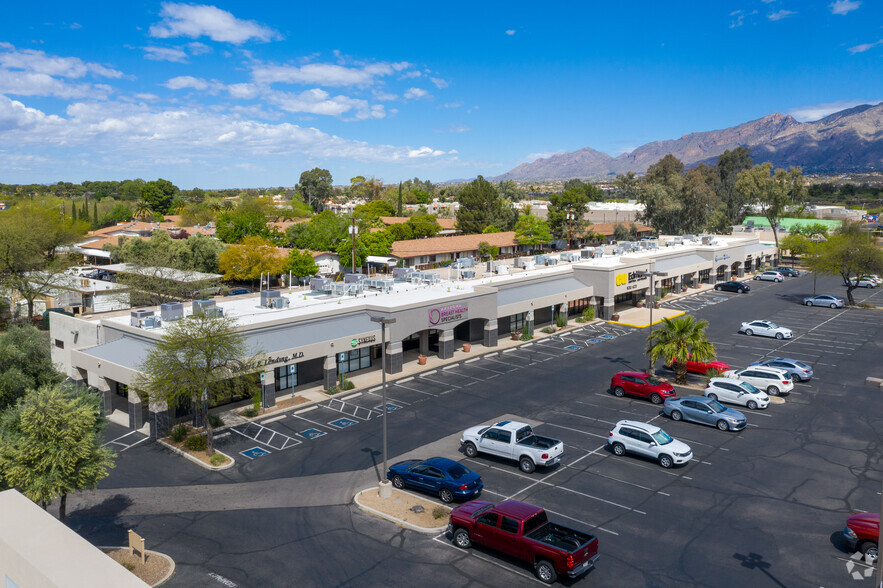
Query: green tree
point(322, 233)
point(423, 225)
point(532, 231)
point(567, 212)
point(399, 206)
point(772, 191)
point(301, 264)
point(486, 250)
point(374, 209)
point(249, 219)
point(315, 187)
point(250, 258)
point(849, 253)
point(25, 363)
point(729, 165)
point(51, 444)
point(481, 205)
point(344, 251)
point(197, 361)
point(142, 210)
point(621, 233)
point(159, 195)
point(680, 339)
point(660, 192)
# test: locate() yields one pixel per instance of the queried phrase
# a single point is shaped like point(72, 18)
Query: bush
point(332, 390)
point(548, 329)
point(215, 421)
point(439, 512)
point(560, 320)
point(250, 412)
point(588, 314)
point(526, 336)
point(197, 443)
point(665, 292)
point(343, 383)
point(178, 433)
point(217, 459)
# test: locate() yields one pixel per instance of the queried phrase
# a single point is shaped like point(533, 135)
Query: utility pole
point(569, 231)
point(354, 243)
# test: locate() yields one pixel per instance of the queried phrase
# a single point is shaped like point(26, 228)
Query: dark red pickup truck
point(523, 531)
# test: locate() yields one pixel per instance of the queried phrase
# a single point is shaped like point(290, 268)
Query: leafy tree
point(379, 242)
point(621, 233)
point(772, 191)
point(25, 363)
point(698, 199)
point(719, 221)
point(197, 361)
point(481, 205)
point(423, 225)
point(491, 229)
point(51, 444)
point(301, 264)
point(315, 187)
point(399, 202)
point(848, 252)
point(567, 212)
point(729, 165)
point(532, 230)
point(322, 233)
point(486, 250)
point(509, 190)
point(250, 258)
point(344, 251)
point(628, 184)
point(660, 193)
point(142, 210)
point(680, 339)
point(199, 253)
point(374, 209)
point(400, 232)
point(159, 195)
point(249, 219)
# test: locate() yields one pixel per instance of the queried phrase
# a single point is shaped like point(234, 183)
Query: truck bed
point(562, 538)
point(539, 442)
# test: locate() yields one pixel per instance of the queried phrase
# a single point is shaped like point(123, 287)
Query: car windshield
point(716, 406)
point(661, 437)
point(654, 381)
point(749, 389)
point(457, 471)
point(772, 325)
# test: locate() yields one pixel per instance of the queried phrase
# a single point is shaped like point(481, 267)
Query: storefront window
point(516, 322)
point(285, 378)
point(351, 361)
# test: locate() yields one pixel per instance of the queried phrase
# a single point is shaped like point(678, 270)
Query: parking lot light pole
point(651, 274)
point(385, 486)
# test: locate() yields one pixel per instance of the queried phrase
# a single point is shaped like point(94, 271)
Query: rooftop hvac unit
point(151, 322)
point(203, 305)
point(137, 316)
point(320, 284)
point(379, 284)
point(468, 274)
point(541, 259)
point(599, 252)
point(171, 311)
point(401, 273)
point(464, 262)
point(551, 261)
point(267, 297)
point(586, 253)
point(502, 269)
point(529, 265)
point(689, 237)
point(707, 239)
point(353, 278)
point(278, 303)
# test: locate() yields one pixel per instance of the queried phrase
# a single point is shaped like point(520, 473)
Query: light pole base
point(385, 490)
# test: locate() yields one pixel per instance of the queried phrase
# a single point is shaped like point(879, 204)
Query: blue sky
point(235, 94)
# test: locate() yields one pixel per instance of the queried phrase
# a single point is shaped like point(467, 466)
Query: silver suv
point(770, 276)
point(650, 441)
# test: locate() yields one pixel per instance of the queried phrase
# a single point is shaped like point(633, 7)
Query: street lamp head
point(382, 319)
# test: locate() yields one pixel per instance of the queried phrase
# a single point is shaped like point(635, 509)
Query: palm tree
point(179, 207)
point(142, 210)
point(680, 339)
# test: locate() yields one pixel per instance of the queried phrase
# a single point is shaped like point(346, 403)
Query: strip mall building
point(312, 337)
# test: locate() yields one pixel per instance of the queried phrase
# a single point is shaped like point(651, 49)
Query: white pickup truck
point(513, 440)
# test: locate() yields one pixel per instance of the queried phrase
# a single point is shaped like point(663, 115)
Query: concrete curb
point(149, 552)
point(397, 521)
point(200, 462)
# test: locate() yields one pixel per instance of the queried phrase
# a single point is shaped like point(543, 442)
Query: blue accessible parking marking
point(720, 299)
point(594, 340)
point(607, 336)
point(343, 423)
point(573, 347)
point(389, 407)
point(312, 433)
point(254, 453)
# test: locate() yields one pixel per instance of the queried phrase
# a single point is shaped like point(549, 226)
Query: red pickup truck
point(523, 531)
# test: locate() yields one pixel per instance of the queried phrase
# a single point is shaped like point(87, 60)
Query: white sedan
point(865, 282)
point(765, 328)
point(734, 391)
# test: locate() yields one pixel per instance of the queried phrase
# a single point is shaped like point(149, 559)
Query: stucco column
point(394, 357)
point(446, 344)
point(100, 384)
point(424, 342)
point(330, 371)
point(490, 333)
point(741, 271)
point(606, 311)
point(676, 285)
point(268, 389)
point(160, 419)
point(136, 416)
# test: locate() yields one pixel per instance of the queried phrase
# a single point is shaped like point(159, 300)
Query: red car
point(862, 533)
point(702, 367)
point(643, 385)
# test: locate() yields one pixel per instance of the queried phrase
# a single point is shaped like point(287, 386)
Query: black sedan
point(739, 287)
point(788, 272)
point(446, 478)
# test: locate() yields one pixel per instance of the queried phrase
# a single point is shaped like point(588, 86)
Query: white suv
point(774, 380)
point(650, 441)
point(770, 277)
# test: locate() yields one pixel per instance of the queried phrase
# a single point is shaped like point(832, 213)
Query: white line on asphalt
point(308, 409)
point(414, 389)
point(442, 383)
point(588, 418)
point(389, 398)
point(429, 373)
point(491, 561)
point(405, 380)
point(472, 360)
point(272, 420)
point(222, 435)
point(510, 350)
point(594, 473)
point(297, 416)
point(450, 367)
point(576, 430)
point(356, 395)
point(527, 344)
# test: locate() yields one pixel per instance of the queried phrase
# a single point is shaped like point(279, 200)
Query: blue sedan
point(446, 478)
point(799, 371)
point(704, 410)
point(825, 300)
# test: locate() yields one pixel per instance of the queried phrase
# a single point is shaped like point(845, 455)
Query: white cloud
point(457, 128)
point(817, 111)
point(181, 82)
point(30, 60)
point(19, 83)
point(510, 32)
point(317, 101)
point(410, 74)
point(738, 18)
point(384, 96)
point(452, 105)
point(242, 91)
point(425, 152)
point(864, 47)
point(416, 93)
point(323, 74)
point(779, 15)
point(439, 83)
point(844, 6)
point(197, 48)
point(194, 21)
point(165, 54)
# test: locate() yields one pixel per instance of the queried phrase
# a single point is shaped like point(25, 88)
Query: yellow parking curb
point(642, 326)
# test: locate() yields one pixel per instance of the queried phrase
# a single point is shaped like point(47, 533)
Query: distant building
point(426, 252)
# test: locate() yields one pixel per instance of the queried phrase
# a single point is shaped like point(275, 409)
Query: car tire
point(772, 391)
point(619, 449)
point(462, 538)
point(869, 550)
point(808, 303)
point(446, 495)
point(526, 465)
point(778, 280)
point(676, 415)
point(398, 481)
point(618, 391)
point(780, 336)
point(741, 290)
point(712, 395)
point(655, 398)
point(749, 332)
point(722, 425)
point(833, 305)
point(546, 572)
point(752, 405)
point(717, 288)
point(666, 461)
point(470, 450)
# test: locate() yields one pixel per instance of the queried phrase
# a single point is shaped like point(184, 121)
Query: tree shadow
point(101, 524)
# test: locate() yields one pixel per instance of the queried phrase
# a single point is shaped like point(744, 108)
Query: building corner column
point(446, 344)
point(394, 357)
point(490, 333)
point(330, 379)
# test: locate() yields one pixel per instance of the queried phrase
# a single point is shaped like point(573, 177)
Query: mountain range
point(847, 141)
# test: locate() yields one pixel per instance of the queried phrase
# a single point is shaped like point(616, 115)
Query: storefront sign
point(629, 280)
point(363, 340)
point(448, 314)
point(721, 257)
point(283, 358)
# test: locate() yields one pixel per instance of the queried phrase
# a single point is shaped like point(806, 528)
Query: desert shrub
point(526, 336)
point(250, 412)
point(217, 459)
point(548, 329)
point(215, 421)
point(712, 373)
point(439, 512)
point(178, 433)
point(588, 313)
point(197, 443)
point(560, 320)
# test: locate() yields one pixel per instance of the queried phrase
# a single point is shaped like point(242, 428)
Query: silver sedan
point(825, 300)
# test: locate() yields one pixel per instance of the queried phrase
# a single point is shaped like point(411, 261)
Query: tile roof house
point(444, 223)
point(607, 229)
point(423, 252)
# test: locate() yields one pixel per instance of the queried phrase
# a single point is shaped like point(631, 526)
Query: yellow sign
point(622, 279)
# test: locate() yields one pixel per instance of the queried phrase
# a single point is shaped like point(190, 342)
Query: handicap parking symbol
point(255, 452)
point(720, 299)
point(312, 433)
point(607, 336)
point(389, 407)
point(594, 340)
point(343, 423)
point(573, 347)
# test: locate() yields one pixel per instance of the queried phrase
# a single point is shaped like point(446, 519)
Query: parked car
point(733, 286)
point(649, 441)
point(641, 384)
point(765, 328)
point(701, 367)
point(770, 276)
point(524, 531)
point(865, 282)
point(797, 370)
point(876, 278)
point(824, 300)
point(734, 391)
point(446, 478)
point(513, 440)
point(773, 380)
point(238, 291)
point(705, 411)
point(862, 533)
point(787, 271)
